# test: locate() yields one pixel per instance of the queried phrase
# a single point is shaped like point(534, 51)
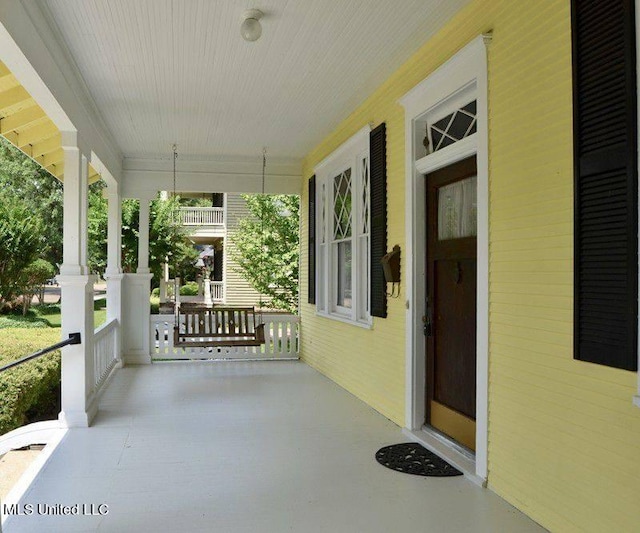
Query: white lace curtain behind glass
point(457, 209)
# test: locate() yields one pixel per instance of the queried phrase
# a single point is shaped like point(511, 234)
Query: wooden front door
point(450, 323)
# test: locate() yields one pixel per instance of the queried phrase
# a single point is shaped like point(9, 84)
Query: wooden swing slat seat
point(198, 326)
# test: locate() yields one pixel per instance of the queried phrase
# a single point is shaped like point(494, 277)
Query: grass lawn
point(48, 316)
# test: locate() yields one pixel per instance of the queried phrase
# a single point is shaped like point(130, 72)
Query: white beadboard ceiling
point(165, 71)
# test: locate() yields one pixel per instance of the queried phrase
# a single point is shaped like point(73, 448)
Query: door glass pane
point(344, 274)
point(457, 209)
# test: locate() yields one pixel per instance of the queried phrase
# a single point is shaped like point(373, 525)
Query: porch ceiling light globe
point(251, 29)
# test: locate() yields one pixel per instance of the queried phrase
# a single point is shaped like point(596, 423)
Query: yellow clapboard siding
point(502, 232)
point(534, 302)
point(582, 420)
point(525, 309)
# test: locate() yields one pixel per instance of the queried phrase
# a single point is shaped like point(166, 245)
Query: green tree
point(28, 183)
point(266, 250)
point(32, 279)
point(167, 239)
point(97, 220)
point(20, 244)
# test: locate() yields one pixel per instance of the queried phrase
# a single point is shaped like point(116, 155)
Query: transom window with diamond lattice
point(454, 127)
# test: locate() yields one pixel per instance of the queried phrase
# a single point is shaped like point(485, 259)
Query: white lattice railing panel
point(202, 216)
point(282, 341)
point(105, 352)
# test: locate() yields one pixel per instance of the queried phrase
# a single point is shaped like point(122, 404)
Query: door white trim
point(465, 71)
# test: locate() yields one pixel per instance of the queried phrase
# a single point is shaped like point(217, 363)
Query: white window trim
point(467, 68)
point(347, 155)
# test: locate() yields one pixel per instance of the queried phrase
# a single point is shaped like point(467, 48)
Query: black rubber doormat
point(412, 458)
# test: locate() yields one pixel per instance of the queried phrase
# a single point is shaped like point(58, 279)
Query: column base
point(77, 360)
point(135, 320)
point(137, 359)
point(78, 419)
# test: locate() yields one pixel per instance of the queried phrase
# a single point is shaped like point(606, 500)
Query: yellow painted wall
point(564, 437)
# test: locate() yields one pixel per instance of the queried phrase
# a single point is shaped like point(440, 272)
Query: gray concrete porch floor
point(246, 447)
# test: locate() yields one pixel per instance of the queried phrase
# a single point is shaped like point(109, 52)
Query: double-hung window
point(343, 222)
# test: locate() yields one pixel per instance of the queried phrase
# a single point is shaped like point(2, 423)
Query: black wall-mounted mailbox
point(391, 265)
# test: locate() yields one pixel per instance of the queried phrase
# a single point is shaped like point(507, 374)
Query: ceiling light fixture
point(251, 29)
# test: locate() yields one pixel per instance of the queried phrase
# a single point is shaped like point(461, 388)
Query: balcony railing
point(217, 291)
point(202, 216)
point(281, 331)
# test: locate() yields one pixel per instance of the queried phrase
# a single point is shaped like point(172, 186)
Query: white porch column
point(200, 281)
point(78, 407)
point(136, 306)
point(143, 237)
point(113, 273)
point(207, 291)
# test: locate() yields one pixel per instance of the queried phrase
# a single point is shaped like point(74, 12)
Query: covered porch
point(245, 446)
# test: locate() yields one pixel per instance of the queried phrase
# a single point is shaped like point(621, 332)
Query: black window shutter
point(378, 210)
point(312, 241)
point(606, 190)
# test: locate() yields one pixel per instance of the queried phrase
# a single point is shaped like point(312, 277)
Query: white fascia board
point(41, 62)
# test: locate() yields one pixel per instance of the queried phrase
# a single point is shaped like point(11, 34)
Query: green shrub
point(29, 392)
point(47, 309)
point(189, 289)
point(154, 303)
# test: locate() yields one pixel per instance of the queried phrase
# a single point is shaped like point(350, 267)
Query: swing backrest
point(217, 326)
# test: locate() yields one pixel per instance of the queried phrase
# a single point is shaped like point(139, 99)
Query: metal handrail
point(74, 338)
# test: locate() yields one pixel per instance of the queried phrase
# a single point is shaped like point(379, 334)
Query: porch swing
point(202, 326)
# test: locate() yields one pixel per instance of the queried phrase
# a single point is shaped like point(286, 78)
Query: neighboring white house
point(215, 226)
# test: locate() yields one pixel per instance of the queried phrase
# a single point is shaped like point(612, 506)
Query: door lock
point(426, 325)
point(426, 319)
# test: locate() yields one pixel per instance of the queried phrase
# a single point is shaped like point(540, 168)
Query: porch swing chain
point(175, 216)
point(262, 240)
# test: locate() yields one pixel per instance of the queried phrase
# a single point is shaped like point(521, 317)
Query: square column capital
point(71, 140)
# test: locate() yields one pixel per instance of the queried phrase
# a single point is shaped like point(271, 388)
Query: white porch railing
point(282, 341)
point(202, 216)
point(105, 354)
